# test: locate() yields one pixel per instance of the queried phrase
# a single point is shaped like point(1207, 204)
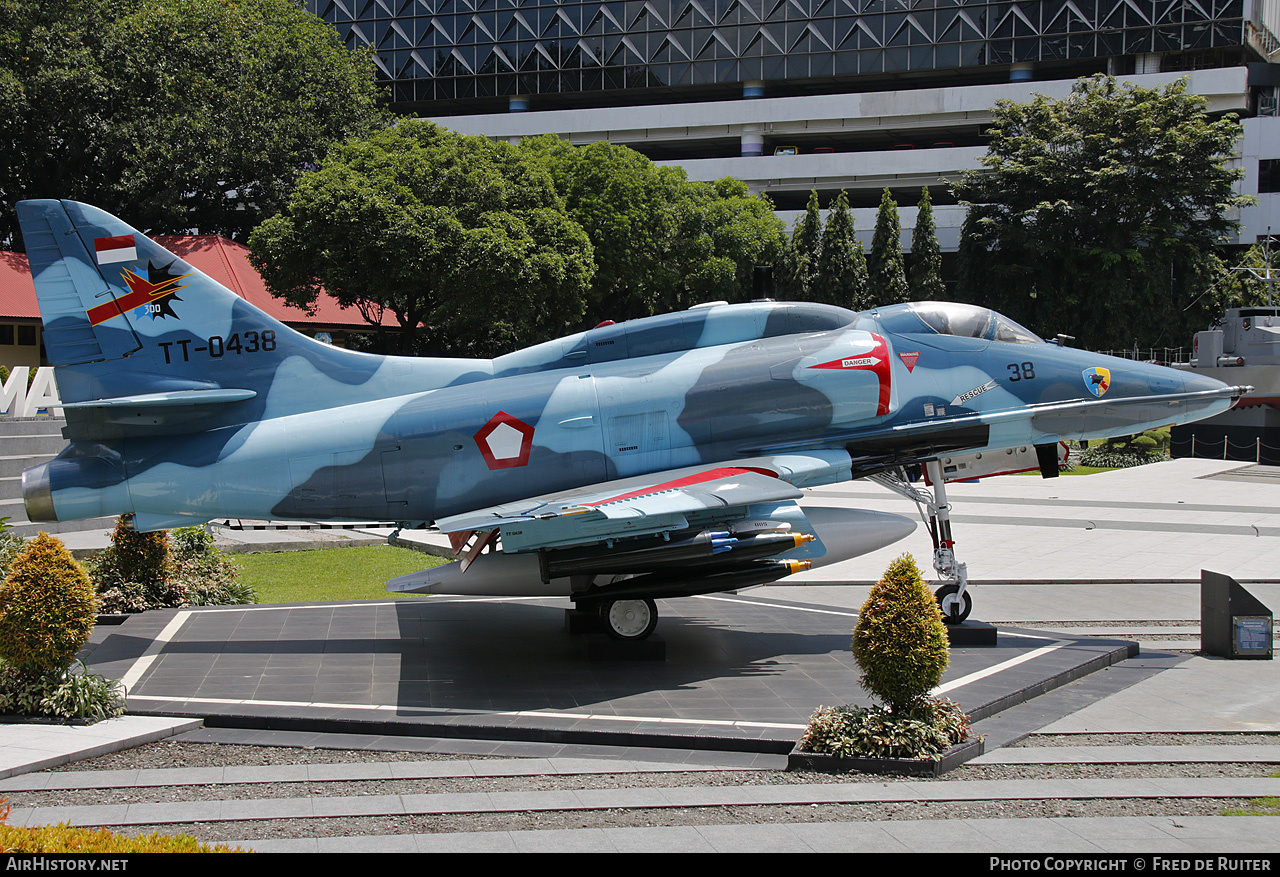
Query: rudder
point(124, 317)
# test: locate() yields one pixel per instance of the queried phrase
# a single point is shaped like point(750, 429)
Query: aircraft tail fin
point(124, 317)
point(138, 336)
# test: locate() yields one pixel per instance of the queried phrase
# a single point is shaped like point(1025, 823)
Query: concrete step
point(31, 445)
point(12, 466)
point(31, 425)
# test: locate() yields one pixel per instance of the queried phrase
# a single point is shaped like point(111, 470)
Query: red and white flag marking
point(117, 249)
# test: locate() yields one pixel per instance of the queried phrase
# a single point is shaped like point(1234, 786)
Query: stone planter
point(915, 767)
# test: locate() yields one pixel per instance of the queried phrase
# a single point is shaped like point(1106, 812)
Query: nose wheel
point(955, 604)
point(629, 620)
point(953, 596)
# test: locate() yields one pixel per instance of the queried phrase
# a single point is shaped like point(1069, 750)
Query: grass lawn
point(358, 573)
point(1257, 807)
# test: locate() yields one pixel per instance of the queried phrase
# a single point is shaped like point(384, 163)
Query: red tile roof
point(223, 260)
point(17, 293)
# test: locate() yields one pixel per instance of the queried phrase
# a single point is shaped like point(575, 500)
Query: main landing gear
point(629, 620)
point(953, 596)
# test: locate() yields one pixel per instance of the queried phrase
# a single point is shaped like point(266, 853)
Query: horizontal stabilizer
point(166, 400)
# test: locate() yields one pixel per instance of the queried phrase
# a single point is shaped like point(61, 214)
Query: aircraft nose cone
point(1193, 382)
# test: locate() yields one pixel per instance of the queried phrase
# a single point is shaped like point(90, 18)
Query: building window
point(6, 333)
point(27, 336)
point(1269, 175)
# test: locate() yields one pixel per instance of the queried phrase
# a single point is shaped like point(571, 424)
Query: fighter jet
point(655, 458)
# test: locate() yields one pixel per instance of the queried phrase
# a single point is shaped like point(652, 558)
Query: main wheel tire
point(631, 620)
point(954, 605)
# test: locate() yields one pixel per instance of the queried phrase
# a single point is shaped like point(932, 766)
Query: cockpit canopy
point(952, 318)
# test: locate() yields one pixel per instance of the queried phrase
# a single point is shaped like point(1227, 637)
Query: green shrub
point(208, 576)
point(47, 608)
point(901, 644)
point(1111, 458)
point(927, 730)
point(143, 558)
point(11, 546)
point(140, 571)
point(61, 694)
point(123, 599)
point(900, 641)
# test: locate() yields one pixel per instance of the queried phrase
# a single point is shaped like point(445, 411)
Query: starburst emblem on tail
point(154, 294)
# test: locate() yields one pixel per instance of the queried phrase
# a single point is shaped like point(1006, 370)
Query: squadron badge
point(1097, 380)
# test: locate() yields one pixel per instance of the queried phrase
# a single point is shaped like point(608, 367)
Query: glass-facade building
point(464, 51)
point(792, 96)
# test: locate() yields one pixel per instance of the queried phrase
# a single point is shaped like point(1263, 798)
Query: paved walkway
point(1111, 549)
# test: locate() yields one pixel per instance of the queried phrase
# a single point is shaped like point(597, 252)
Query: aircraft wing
point(650, 503)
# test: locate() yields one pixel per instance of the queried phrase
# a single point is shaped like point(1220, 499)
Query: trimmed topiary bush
point(47, 608)
point(47, 611)
point(901, 644)
point(900, 641)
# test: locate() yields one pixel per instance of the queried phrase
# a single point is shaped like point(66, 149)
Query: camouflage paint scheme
point(184, 404)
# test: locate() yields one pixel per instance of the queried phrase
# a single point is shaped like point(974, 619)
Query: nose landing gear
point(953, 595)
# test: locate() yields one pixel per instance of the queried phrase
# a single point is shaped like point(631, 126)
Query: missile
point(707, 548)
point(841, 535)
point(688, 584)
point(645, 554)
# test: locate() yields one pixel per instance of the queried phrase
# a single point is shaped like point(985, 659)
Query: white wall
point(1261, 141)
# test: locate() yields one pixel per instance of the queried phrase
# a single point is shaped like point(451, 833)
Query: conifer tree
point(885, 265)
point(926, 255)
point(805, 251)
point(842, 264)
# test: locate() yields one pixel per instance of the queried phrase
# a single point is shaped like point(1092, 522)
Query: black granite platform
point(741, 672)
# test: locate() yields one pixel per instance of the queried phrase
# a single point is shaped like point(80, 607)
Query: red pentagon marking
point(505, 441)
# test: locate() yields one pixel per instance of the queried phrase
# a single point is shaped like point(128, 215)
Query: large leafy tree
point(173, 114)
point(624, 203)
point(723, 232)
point(1249, 279)
point(926, 255)
point(1099, 215)
point(461, 235)
point(842, 264)
point(885, 262)
point(661, 241)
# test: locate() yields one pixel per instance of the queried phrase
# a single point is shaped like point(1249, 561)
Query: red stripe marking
point(141, 292)
point(700, 478)
point(880, 368)
point(119, 242)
